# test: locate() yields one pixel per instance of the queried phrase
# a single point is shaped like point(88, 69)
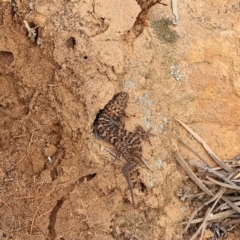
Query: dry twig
point(222, 183)
point(207, 148)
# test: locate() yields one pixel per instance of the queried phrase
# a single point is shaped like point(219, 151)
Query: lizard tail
point(129, 166)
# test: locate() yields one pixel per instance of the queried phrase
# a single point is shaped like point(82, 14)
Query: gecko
point(109, 126)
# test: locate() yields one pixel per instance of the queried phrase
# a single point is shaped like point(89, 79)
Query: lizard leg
point(144, 134)
point(129, 166)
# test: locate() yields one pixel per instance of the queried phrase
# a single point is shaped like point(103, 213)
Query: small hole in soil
point(6, 57)
point(4, 235)
point(54, 173)
point(1, 20)
point(71, 42)
point(85, 57)
point(143, 187)
point(87, 178)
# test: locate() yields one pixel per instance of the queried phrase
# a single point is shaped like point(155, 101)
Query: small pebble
point(50, 150)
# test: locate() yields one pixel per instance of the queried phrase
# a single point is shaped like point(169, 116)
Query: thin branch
point(207, 148)
point(192, 175)
point(188, 147)
point(223, 184)
point(34, 216)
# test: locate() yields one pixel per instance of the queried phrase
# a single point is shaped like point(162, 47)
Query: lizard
point(108, 126)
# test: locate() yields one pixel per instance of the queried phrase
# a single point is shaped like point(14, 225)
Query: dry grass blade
point(190, 173)
point(207, 148)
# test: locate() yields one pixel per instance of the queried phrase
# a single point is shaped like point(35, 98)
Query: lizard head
point(121, 97)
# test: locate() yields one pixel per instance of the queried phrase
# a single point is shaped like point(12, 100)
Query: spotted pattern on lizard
point(108, 126)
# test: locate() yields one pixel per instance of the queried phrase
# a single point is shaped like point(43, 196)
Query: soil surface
point(60, 62)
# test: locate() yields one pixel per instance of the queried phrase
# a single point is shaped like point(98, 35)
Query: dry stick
point(42, 231)
point(26, 197)
point(188, 147)
point(202, 225)
point(5, 204)
point(237, 176)
point(16, 164)
point(145, 162)
point(231, 204)
point(207, 148)
point(217, 216)
point(224, 206)
point(19, 229)
point(196, 195)
point(231, 222)
point(203, 173)
point(34, 216)
point(220, 193)
point(206, 203)
point(234, 198)
point(198, 209)
point(223, 184)
point(199, 165)
point(203, 229)
point(200, 185)
point(192, 175)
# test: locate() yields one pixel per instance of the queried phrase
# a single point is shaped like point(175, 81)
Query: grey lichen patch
point(145, 122)
point(159, 163)
point(129, 85)
point(145, 101)
point(164, 32)
point(175, 72)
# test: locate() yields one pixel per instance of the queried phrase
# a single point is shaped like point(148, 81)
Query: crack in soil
point(53, 217)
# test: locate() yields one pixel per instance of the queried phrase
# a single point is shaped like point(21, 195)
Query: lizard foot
point(144, 134)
